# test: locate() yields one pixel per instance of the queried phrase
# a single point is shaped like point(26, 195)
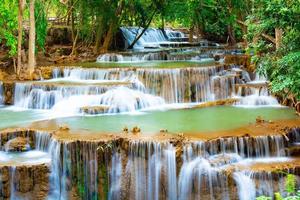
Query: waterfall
point(198, 178)
point(110, 58)
point(154, 56)
point(145, 174)
point(42, 141)
point(45, 97)
point(58, 171)
point(260, 146)
point(1, 93)
point(174, 34)
point(151, 38)
point(171, 172)
point(174, 85)
point(152, 170)
point(245, 186)
point(147, 88)
point(258, 96)
point(115, 177)
point(13, 180)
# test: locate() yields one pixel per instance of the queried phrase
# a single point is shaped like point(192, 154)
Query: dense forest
point(268, 29)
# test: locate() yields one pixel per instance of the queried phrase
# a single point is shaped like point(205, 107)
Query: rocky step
point(18, 144)
point(252, 85)
point(293, 149)
point(273, 166)
point(29, 181)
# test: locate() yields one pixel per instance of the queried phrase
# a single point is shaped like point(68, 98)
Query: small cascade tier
point(170, 167)
point(133, 89)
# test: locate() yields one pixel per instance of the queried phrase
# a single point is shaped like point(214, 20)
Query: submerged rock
point(94, 110)
point(125, 129)
point(136, 130)
point(64, 128)
point(259, 119)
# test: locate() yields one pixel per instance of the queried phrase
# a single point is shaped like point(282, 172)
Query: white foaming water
point(174, 34)
point(151, 56)
point(120, 99)
point(258, 96)
point(257, 100)
point(149, 88)
point(245, 186)
point(170, 154)
point(21, 158)
point(116, 177)
point(143, 89)
point(110, 58)
point(150, 172)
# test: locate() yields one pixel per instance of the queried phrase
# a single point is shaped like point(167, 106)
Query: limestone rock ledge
point(25, 181)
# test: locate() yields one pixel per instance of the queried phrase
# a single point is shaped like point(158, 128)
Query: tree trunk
point(114, 23)
point(108, 38)
point(31, 46)
point(191, 34)
point(231, 35)
point(20, 31)
point(74, 50)
point(278, 37)
point(243, 27)
point(73, 28)
point(99, 34)
point(162, 22)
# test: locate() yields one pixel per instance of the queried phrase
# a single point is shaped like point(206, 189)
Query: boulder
point(18, 144)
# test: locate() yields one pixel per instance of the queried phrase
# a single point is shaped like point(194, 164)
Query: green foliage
point(9, 24)
point(290, 184)
point(290, 187)
point(263, 198)
point(280, 65)
point(41, 24)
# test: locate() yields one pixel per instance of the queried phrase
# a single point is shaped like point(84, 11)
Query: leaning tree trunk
point(108, 38)
point(143, 31)
point(20, 31)
point(113, 25)
point(31, 46)
point(278, 37)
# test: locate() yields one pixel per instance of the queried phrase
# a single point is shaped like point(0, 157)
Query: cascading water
point(174, 85)
point(128, 90)
point(152, 170)
point(257, 95)
point(151, 38)
point(245, 186)
point(1, 93)
point(184, 55)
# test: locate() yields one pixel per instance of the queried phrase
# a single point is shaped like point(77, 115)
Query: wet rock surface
point(30, 182)
point(18, 144)
point(125, 165)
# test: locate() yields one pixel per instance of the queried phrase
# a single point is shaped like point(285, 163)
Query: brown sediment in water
point(264, 128)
